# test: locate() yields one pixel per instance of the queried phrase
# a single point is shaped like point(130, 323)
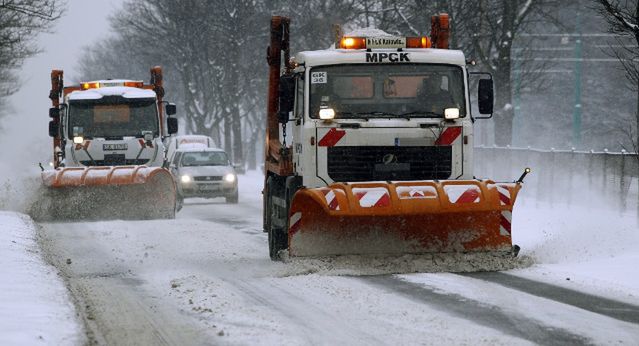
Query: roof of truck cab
point(96, 94)
point(358, 56)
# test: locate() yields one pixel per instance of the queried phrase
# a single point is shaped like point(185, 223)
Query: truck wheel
point(277, 241)
point(277, 235)
point(232, 199)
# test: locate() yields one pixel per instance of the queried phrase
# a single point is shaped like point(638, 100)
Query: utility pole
point(576, 115)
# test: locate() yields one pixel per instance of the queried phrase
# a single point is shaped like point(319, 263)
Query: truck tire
point(277, 234)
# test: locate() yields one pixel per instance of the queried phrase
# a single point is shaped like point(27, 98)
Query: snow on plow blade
point(402, 218)
point(109, 192)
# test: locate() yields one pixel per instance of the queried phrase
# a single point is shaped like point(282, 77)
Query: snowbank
point(35, 307)
point(589, 249)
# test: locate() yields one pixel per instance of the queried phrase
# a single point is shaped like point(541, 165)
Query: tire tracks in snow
point(599, 305)
point(115, 308)
point(121, 313)
point(483, 314)
point(319, 324)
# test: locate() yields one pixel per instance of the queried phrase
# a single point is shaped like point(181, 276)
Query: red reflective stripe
point(383, 201)
point(504, 199)
point(469, 196)
point(143, 143)
point(332, 204)
point(331, 137)
point(449, 135)
point(505, 224)
point(295, 227)
point(359, 195)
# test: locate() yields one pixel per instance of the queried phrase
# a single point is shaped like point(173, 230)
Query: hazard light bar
point(384, 42)
point(107, 84)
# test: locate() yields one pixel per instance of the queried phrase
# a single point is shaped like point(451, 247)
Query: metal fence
point(566, 176)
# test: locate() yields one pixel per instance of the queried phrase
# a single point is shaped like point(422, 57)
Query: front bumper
point(206, 189)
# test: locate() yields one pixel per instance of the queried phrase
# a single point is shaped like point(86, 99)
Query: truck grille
point(115, 160)
point(389, 163)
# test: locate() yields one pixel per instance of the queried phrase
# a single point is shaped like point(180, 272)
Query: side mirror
point(170, 108)
point(172, 125)
point(54, 113)
point(54, 128)
point(485, 97)
point(287, 97)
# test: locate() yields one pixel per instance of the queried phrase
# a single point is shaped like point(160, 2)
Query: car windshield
point(113, 116)
point(205, 158)
point(387, 90)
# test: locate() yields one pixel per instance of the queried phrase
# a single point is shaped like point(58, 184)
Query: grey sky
point(84, 22)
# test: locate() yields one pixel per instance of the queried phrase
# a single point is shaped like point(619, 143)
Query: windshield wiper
point(376, 114)
point(408, 114)
point(391, 115)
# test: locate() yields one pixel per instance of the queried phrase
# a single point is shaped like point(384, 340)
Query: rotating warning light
point(353, 43)
point(92, 85)
point(384, 42)
point(418, 42)
point(108, 84)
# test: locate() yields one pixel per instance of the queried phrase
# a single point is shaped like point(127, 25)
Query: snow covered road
point(205, 278)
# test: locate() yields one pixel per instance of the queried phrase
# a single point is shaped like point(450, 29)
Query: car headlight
point(186, 179)
point(229, 178)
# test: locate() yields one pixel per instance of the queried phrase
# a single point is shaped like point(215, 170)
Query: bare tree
point(20, 22)
point(623, 20)
point(493, 26)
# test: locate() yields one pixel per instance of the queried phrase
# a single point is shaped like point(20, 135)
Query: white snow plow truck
point(369, 150)
point(108, 152)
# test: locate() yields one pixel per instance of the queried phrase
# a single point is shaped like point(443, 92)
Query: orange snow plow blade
point(402, 218)
point(109, 192)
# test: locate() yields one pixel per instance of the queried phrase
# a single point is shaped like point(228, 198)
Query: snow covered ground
point(35, 307)
point(592, 249)
point(206, 278)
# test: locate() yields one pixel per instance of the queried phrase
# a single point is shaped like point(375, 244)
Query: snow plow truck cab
point(369, 149)
point(108, 150)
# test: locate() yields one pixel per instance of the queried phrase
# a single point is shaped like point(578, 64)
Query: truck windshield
point(113, 117)
point(205, 158)
point(387, 90)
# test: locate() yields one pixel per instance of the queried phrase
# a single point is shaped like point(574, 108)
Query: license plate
point(117, 146)
point(208, 187)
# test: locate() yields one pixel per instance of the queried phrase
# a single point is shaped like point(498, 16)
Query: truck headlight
point(451, 113)
point(327, 113)
point(185, 179)
point(229, 178)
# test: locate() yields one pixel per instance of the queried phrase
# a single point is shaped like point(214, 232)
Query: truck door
point(298, 124)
